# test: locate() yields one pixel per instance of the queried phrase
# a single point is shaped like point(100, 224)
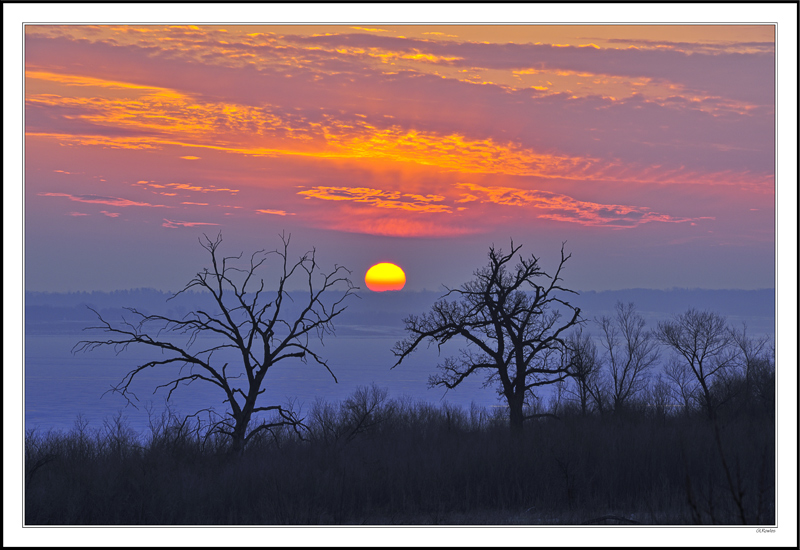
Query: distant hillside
point(68, 312)
point(759, 303)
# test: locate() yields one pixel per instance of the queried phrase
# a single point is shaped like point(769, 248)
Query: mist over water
point(60, 385)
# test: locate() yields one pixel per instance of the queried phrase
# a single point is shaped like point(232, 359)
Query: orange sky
point(613, 134)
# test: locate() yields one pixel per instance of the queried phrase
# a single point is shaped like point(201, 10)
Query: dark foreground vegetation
point(372, 460)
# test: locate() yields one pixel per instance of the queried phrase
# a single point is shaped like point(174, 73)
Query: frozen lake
point(60, 385)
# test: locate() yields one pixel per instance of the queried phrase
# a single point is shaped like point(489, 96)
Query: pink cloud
point(173, 224)
point(97, 199)
point(275, 212)
point(394, 223)
point(559, 207)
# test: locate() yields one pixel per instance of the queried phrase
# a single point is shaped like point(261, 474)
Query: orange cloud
point(88, 81)
point(165, 117)
point(379, 198)
point(171, 118)
point(190, 187)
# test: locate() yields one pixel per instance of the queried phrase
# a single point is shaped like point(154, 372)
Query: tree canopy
point(514, 327)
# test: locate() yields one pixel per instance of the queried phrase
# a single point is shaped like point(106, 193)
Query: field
point(371, 460)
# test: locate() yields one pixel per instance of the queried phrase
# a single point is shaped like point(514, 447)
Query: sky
point(648, 149)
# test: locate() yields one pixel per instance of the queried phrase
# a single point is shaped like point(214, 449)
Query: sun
point(385, 276)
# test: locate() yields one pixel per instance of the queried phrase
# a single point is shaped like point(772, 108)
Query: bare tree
point(261, 333)
point(513, 327)
point(750, 382)
point(631, 351)
point(682, 383)
point(659, 397)
point(703, 341)
point(753, 351)
point(584, 369)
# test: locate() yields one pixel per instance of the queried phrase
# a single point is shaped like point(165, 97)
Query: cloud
point(174, 224)
point(255, 109)
point(468, 210)
point(275, 212)
point(720, 72)
point(185, 187)
point(559, 207)
point(97, 199)
point(371, 30)
point(199, 189)
point(704, 47)
point(379, 198)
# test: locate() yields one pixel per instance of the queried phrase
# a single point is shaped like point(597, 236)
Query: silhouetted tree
point(703, 341)
point(754, 355)
point(261, 333)
point(749, 385)
point(630, 352)
point(584, 369)
point(514, 328)
point(659, 397)
point(682, 383)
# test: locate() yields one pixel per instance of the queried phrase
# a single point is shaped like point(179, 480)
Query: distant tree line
point(705, 365)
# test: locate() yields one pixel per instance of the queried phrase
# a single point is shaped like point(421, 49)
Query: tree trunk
point(516, 417)
point(708, 399)
point(237, 444)
point(239, 433)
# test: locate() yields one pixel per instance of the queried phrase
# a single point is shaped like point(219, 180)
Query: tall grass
point(377, 461)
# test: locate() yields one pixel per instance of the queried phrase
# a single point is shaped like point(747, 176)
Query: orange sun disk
point(385, 276)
